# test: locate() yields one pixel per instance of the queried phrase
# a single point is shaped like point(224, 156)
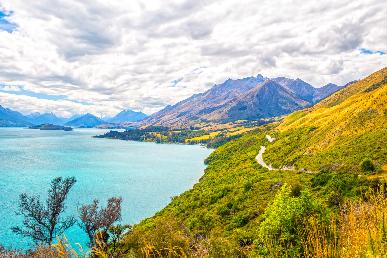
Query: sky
point(73, 57)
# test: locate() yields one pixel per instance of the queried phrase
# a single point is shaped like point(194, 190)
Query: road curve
point(260, 161)
point(259, 158)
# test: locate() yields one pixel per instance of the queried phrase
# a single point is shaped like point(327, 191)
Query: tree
point(43, 222)
point(94, 219)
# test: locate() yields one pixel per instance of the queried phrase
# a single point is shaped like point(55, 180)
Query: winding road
point(261, 162)
point(259, 158)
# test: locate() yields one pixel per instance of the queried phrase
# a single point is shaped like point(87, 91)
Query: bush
point(296, 190)
point(367, 165)
point(321, 179)
point(335, 199)
point(282, 230)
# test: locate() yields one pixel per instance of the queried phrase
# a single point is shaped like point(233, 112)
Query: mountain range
point(241, 99)
point(45, 118)
point(11, 118)
point(249, 98)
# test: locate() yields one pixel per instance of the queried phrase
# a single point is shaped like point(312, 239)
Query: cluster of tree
point(163, 135)
point(158, 134)
point(44, 221)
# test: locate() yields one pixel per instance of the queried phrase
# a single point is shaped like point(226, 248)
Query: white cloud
point(103, 56)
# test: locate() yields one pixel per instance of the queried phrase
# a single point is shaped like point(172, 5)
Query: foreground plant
point(358, 230)
point(43, 222)
point(94, 219)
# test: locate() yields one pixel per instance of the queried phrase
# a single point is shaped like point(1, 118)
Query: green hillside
point(333, 152)
point(339, 132)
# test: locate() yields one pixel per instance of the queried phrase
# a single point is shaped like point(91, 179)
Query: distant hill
point(45, 118)
point(10, 118)
point(127, 116)
point(247, 98)
point(87, 120)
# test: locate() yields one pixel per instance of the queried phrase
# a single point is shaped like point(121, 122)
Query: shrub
point(296, 190)
point(283, 224)
point(94, 219)
point(335, 199)
point(367, 165)
point(321, 179)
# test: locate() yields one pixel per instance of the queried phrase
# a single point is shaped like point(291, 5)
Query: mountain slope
point(299, 88)
point(325, 143)
point(351, 121)
point(10, 118)
point(305, 91)
point(265, 100)
point(87, 120)
point(127, 116)
point(206, 106)
point(240, 99)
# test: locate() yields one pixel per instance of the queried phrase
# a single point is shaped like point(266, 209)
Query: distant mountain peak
point(86, 120)
point(127, 115)
point(260, 76)
point(330, 85)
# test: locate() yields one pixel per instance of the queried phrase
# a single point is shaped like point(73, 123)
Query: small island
point(51, 127)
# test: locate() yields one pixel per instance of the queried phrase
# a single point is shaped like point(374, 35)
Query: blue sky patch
point(23, 92)
point(20, 91)
point(5, 24)
point(366, 51)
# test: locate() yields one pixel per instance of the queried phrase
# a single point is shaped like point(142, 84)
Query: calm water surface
point(145, 175)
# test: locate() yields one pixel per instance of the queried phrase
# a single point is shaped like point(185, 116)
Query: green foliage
point(283, 224)
point(230, 197)
point(235, 204)
point(154, 134)
point(298, 147)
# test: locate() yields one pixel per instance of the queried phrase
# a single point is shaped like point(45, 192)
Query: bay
point(145, 175)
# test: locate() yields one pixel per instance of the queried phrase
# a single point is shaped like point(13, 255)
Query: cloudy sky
point(103, 56)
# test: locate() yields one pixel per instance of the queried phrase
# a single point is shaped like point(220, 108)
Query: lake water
point(145, 175)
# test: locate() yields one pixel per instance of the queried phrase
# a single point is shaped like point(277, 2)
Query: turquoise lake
point(145, 175)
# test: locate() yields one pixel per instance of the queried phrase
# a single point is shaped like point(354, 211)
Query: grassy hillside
point(240, 209)
point(339, 132)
